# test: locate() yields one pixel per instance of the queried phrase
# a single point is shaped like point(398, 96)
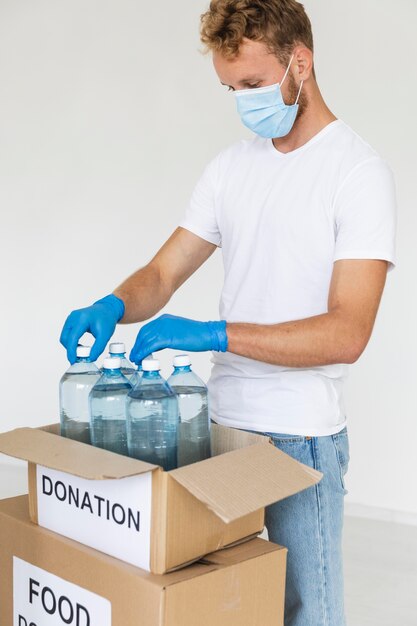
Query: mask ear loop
point(286, 71)
point(299, 91)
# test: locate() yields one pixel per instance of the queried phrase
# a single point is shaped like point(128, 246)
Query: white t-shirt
point(281, 221)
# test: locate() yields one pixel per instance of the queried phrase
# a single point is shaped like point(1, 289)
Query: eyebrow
point(248, 79)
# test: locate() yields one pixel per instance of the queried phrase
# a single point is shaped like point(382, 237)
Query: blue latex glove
point(179, 333)
point(100, 320)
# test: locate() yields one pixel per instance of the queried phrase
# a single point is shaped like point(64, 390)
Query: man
point(304, 213)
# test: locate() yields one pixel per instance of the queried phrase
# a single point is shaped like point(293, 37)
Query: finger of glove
point(145, 345)
point(134, 351)
point(66, 330)
point(147, 335)
point(102, 336)
point(149, 347)
point(143, 335)
point(74, 335)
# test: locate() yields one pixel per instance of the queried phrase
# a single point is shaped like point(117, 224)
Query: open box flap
point(66, 455)
point(238, 483)
point(225, 439)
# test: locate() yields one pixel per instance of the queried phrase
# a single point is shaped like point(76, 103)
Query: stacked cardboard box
point(48, 580)
point(83, 500)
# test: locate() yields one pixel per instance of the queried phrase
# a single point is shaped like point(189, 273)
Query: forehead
point(253, 59)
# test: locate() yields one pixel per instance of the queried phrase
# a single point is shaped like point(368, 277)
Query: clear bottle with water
point(117, 350)
point(194, 430)
point(74, 389)
point(153, 419)
point(108, 408)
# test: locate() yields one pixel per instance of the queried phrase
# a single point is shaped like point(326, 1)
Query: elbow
point(351, 357)
point(354, 350)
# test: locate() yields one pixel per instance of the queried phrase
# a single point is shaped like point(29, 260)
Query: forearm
point(319, 340)
point(144, 294)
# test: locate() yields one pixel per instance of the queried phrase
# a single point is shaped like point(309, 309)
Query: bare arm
point(338, 336)
point(149, 289)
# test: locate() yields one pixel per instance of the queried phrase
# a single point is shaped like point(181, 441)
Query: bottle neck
point(121, 355)
point(112, 373)
point(83, 359)
point(181, 369)
point(154, 375)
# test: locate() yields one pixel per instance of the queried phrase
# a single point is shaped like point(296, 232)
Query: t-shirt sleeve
point(200, 216)
point(365, 213)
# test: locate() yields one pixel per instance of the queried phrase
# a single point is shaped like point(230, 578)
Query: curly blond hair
point(280, 24)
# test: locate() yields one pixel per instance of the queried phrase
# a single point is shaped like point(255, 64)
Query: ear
point(303, 63)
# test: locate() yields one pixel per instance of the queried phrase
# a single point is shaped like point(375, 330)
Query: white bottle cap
point(151, 365)
point(83, 351)
point(182, 360)
point(112, 363)
point(117, 348)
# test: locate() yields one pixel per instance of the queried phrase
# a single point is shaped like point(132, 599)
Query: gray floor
point(380, 560)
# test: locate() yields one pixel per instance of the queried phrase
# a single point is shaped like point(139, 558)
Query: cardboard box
point(145, 516)
point(49, 580)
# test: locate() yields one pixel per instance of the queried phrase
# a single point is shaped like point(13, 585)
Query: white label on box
point(113, 516)
point(43, 599)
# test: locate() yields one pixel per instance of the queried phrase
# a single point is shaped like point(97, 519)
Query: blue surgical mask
point(264, 111)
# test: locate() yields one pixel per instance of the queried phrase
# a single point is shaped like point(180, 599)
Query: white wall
point(363, 49)
point(108, 113)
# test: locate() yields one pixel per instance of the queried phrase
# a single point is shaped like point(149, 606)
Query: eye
point(253, 86)
point(230, 89)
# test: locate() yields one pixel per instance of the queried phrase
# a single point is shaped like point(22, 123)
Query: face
point(254, 67)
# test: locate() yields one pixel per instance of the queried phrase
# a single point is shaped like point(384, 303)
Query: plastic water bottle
point(194, 430)
point(74, 389)
point(108, 408)
point(153, 419)
point(118, 351)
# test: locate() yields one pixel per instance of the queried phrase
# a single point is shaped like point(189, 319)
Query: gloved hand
point(100, 320)
point(179, 333)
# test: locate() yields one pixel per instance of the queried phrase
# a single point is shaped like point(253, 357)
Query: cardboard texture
point(49, 580)
point(195, 509)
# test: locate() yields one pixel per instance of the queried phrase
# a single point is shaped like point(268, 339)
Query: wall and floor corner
point(107, 118)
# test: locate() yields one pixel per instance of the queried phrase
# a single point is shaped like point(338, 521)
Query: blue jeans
point(310, 525)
